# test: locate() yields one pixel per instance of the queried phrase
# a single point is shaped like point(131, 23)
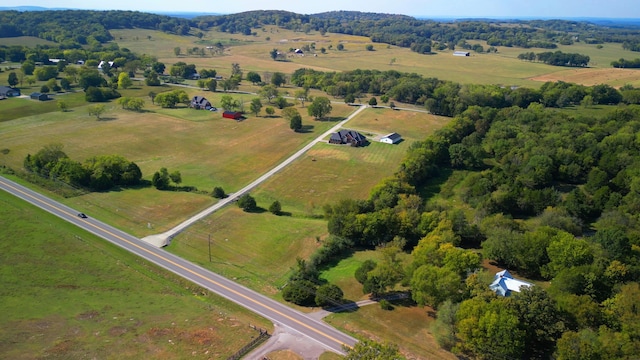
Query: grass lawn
point(503, 67)
point(66, 294)
point(256, 249)
point(342, 274)
point(207, 149)
point(406, 325)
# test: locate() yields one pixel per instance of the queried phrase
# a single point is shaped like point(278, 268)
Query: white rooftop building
point(503, 284)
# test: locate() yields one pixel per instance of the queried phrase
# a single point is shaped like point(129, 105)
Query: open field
point(207, 149)
point(30, 41)
point(256, 249)
point(252, 53)
point(406, 325)
point(333, 172)
point(342, 274)
point(66, 294)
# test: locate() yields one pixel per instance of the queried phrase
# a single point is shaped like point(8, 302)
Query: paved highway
point(276, 312)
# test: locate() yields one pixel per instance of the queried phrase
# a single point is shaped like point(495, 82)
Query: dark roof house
point(39, 96)
point(351, 137)
point(200, 102)
point(6, 91)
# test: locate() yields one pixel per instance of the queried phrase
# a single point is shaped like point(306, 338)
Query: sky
point(420, 8)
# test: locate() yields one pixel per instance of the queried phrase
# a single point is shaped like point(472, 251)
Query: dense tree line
point(418, 34)
point(629, 64)
point(450, 98)
point(97, 173)
point(89, 26)
point(557, 58)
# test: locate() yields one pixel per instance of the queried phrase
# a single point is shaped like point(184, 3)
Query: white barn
point(461, 53)
point(504, 284)
point(392, 138)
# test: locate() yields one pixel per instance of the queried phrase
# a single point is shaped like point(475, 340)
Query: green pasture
point(256, 249)
point(333, 172)
point(66, 294)
point(252, 53)
point(206, 148)
point(342, 274)
point(406, 325)
point(30, 41)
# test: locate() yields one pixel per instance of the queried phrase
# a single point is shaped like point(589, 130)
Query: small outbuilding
point(200, 103)
point(392, 138)
point(461, 53)
point(7, 91)
point(235, 115)
point(39, 96)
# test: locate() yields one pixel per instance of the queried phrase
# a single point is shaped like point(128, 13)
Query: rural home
point(461, 53)
point(200, 102)
point(101, 64)
point(39, 96)
point(6, 91)
point(232, 115)
point(351, 137)
point(503, 284)
point(392, 138)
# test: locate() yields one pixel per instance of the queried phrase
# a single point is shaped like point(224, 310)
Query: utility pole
point(209, 247)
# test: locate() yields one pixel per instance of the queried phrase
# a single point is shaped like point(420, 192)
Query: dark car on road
point(82, 215)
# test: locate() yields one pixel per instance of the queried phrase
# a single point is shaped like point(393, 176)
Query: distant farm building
point(504, 284)
point(200, 103)
point(392, 138)
point(39, 96)
point(6, 91)
point(299, 52)
point(102, 63)
point(350, 137)
point(235, 115)
point(461, 53)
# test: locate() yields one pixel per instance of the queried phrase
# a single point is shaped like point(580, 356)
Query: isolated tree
point(160, 179)
point(268, 92)
point(302, 96)
point(212, 85)
point(44, 89)
point(96, 110)
point(176, 177)
point(247, 203)
point(340, 47)
point(65, 84)
point(275, 208)
point(13, 79)
point(228, 103)
point(218, 193)
point(373, 101)
point(329, 295)
point(152, 79)
point(274, 54)
point(152, 96)
point(278, 79)
point(256, 106)
point(124, 81)
point(369, 47)
point(254, 77)
point(281, 102)
point(270, 111)
point(320, 107)
point(177, 51)
point(236, 71)
point(349, 99)
point(296, 123)
point(28, 67)
point(289, 113)
point(63, 106)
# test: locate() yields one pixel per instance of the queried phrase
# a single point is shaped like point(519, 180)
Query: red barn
point(235, 115)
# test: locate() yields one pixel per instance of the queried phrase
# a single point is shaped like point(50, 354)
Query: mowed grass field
point(206, 148)
point(503, 67)
point(66, 294)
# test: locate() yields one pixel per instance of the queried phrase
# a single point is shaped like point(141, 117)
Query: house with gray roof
point(350, 137)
